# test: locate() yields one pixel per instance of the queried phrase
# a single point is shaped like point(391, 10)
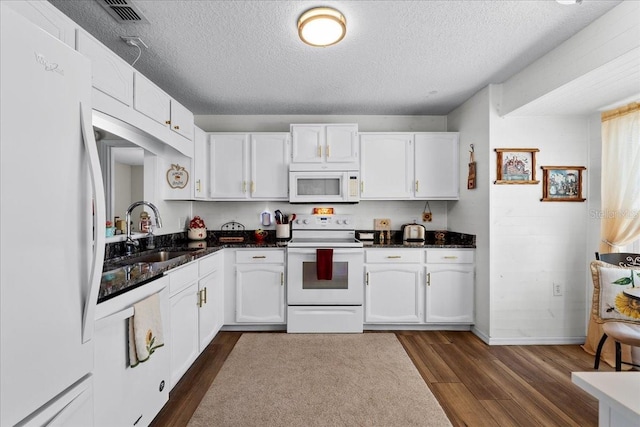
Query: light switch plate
point(382, 224)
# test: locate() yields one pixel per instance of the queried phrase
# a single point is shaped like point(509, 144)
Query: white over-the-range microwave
point(324, 186)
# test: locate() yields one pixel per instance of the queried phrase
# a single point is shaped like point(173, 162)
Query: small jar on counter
point(145, 222)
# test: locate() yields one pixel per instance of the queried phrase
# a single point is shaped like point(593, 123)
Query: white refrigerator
point(52, 224)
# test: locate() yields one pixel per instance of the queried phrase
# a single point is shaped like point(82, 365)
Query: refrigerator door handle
point(99, 225)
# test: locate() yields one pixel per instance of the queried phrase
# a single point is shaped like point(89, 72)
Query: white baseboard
point(536, 341)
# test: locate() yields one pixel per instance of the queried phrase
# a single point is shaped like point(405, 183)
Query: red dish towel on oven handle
point(324, 264)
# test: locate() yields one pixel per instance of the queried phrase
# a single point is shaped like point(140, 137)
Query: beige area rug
point(277, 379)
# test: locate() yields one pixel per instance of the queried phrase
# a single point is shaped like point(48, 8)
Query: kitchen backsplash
point(215, 214)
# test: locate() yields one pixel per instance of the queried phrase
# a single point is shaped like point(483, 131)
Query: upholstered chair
point(616, 306)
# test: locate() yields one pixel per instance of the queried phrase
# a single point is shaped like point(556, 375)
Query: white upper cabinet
point(150, 100)
point(154, 103)
point(269, 166)
point(325, 144)
point(228, 166)
point(110, 73)
point(386, 168)
point(436, 166)
point(409, 166)
point(200, 162)
point(249, 166)
point(181, 121)
point(47, 17)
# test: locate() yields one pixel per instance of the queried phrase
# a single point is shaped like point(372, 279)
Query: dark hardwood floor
point(476, 384)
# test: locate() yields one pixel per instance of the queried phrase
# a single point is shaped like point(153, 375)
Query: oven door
point(346, 283)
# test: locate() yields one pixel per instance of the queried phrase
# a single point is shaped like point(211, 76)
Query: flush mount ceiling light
point(569, 2)
point(322, 26)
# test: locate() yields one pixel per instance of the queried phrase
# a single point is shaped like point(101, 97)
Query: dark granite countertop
point(368, 245)
point(119, 277)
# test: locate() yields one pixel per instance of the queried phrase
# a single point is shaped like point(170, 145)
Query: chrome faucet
point(130, 243)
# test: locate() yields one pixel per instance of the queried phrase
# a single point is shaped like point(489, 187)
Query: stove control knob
point(306, 221)
point(345, 222)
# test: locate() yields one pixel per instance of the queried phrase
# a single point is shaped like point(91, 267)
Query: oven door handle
point(312, 251)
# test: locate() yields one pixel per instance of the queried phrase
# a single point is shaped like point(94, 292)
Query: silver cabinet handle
point(450, 257)
point(394, 256)
point(281, 278)
point(428, 279)
point(205, 294)
point(367, 278)
point(259, 257)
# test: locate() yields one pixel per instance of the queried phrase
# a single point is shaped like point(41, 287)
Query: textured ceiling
point(398, 58)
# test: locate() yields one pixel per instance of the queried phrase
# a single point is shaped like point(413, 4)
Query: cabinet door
point(48, 18)
point(181, 120)
point(260, 293)
point(151, 101)
point(386, 170)
point(184, 331)
point(437, 166)
point(450, 293)
point(228, 166)
point(270, 166)
point(110, 74)
point(211, 304)
point(393, 293)
point(307, 143)
point(341, 144)
point(200, 160)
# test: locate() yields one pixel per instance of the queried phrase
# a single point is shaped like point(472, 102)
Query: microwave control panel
point(353, 186)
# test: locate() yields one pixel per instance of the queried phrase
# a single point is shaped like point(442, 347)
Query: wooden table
point(618, 394)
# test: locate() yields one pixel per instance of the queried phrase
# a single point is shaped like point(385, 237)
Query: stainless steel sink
point(156, 257)
point(149, 259)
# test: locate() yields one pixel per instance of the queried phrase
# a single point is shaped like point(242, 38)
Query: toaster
point(413, 233)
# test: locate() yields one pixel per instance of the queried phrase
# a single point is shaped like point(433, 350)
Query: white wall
point(471, 213)
point(215, 214)
point(535, 244)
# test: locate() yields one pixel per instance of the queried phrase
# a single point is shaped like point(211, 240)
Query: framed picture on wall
point(516, 166)
point(562, 183)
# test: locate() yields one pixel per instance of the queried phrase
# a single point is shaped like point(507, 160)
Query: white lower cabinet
point(419, 286)
point(184, 331)
point(393, 286)
point(197, 310)
point(260, 286)
point(210, 298)
point(450, 286)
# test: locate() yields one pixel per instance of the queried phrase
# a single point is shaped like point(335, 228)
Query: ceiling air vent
point(123, 11)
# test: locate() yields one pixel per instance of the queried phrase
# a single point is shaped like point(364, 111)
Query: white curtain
point(620, 178)
point(620, 200)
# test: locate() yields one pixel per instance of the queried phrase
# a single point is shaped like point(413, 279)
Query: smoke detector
point(123, 11)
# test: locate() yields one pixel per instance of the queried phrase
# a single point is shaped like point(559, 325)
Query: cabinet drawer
point(450, 256)
point(210, 263)
point(395, 256)
point(275, 256)
point(182, 276)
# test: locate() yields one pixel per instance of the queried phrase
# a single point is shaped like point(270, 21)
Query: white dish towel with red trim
point(145, 330)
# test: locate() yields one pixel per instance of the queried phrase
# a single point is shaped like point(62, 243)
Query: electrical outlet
point(557, 289)
point(426, 217)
